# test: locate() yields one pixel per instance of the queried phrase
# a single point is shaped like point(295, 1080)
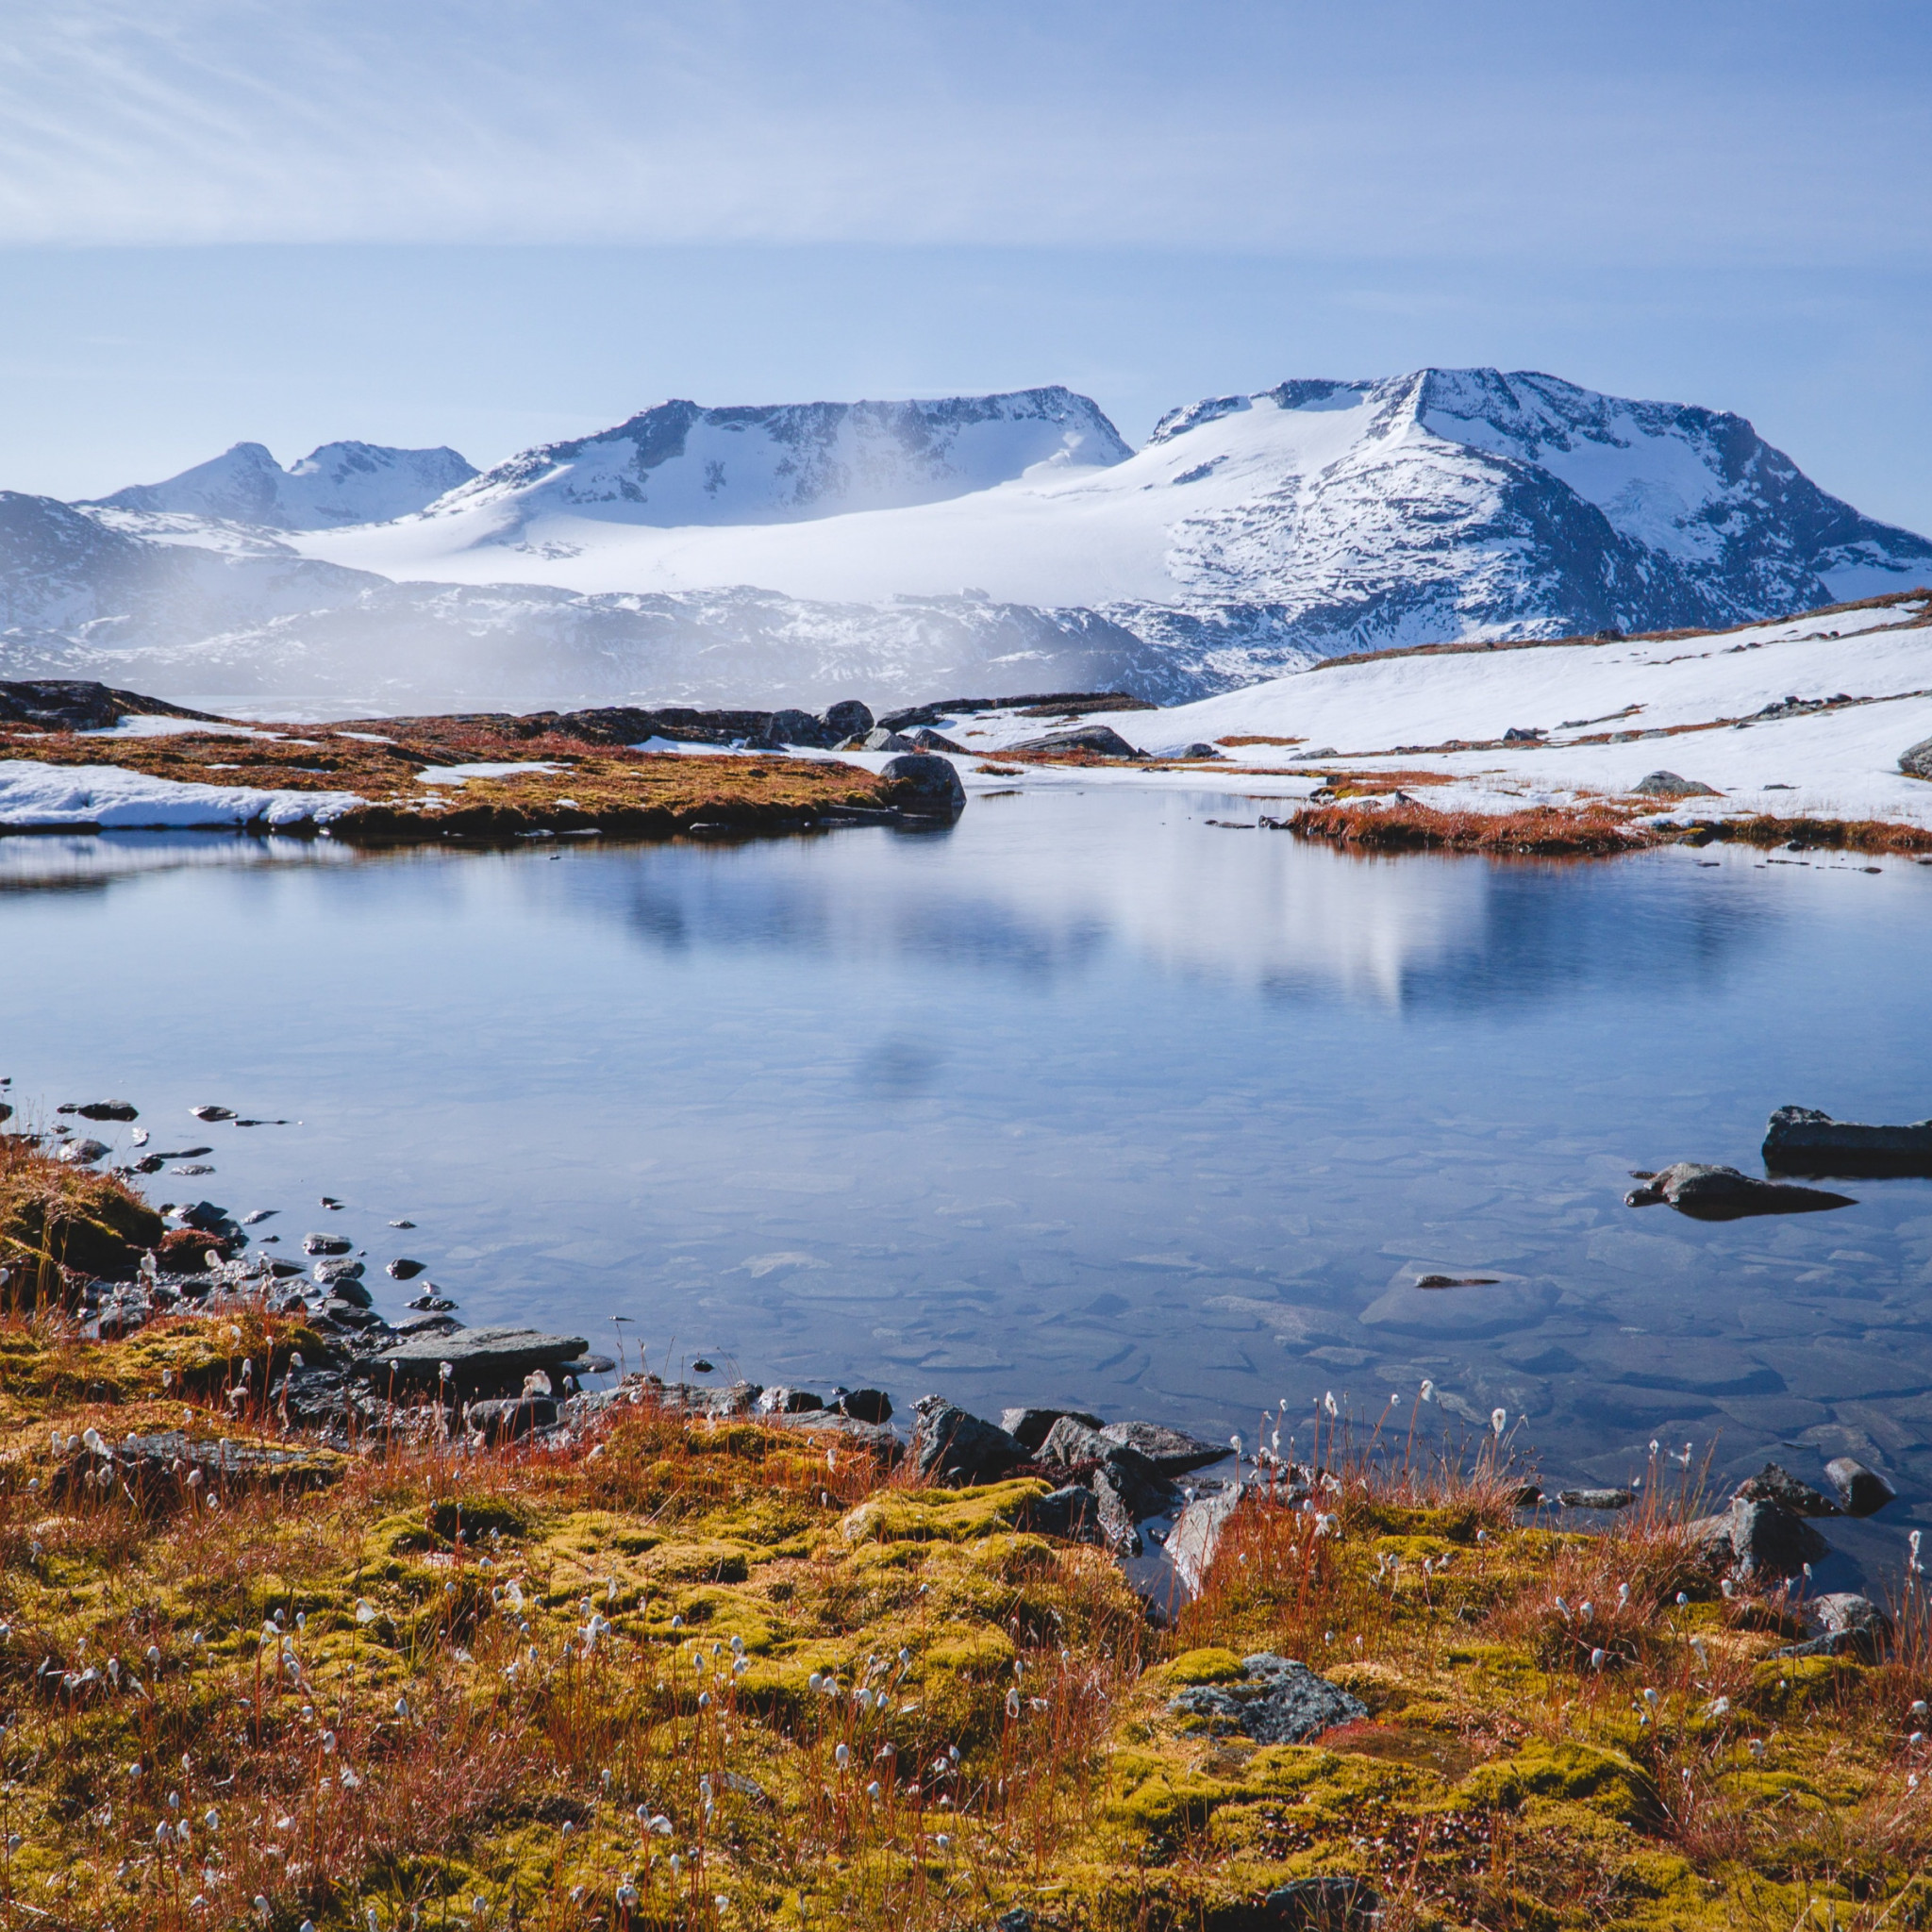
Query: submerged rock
point(1277, 1701)
point(1863, 1491)
point(1800, 1140)
point(102, 1110)
point(1722, 1194)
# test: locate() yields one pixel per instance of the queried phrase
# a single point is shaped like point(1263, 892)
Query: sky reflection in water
point(1085, 1100)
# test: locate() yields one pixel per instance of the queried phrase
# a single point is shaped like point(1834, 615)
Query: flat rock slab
point(1411, 1309)
point(487, 1360)
point(167, 1459)
point(1800, 1140)
point(1722, 1194)
point(1277, 1701)
point(1172, 1452)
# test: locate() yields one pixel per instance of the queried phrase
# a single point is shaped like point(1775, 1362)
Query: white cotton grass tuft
point(1499, 1420)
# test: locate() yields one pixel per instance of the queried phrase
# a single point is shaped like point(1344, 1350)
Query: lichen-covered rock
point(1196, 1534)
point(1277, 1701)
point(1915, 761)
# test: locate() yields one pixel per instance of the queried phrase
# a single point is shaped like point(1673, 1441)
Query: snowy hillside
point(678, 465)
point(340, 483)
point(775, 554)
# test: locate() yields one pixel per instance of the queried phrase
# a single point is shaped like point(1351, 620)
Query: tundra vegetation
point(674, 1671)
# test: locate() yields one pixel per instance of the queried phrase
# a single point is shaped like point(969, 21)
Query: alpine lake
point(1095, 1098)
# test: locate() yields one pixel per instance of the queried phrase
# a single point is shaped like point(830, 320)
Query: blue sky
point(495, 222)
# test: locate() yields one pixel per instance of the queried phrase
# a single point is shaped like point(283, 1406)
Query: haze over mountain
point(792, 553)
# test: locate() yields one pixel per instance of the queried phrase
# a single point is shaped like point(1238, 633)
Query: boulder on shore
point(950, 1446)
point(1915, 761)
point(1029, 1426)
point(492, 1361)
point(1753, 1538)
point(1773, 1484)
point(1800, 1140)
point(933, 782)
point(1102, 740)
point(1862, 1490)
point(1722, 1194)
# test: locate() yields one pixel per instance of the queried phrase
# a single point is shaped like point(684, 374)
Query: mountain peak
point(338, 484)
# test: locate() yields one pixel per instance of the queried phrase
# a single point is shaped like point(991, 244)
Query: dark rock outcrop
point(932, 783)
point(864, 1405)
point(1773, 1484)
point(1028, 1426)
point(848, 718)
point(952, 1447)
point(1172, 1452)
point(1722, 1194)
point(1755, 1538)
point(1800, 1140)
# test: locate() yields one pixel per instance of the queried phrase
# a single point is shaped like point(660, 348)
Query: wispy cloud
point(1387, 128)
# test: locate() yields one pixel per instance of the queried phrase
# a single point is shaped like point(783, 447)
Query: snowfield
point(795, 553)
point(1688, 705)
point(35, 797)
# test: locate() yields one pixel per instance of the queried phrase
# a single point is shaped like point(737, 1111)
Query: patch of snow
point(456, 774)
point(35, 796)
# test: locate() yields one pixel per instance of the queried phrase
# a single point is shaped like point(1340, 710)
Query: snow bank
point(38, 797)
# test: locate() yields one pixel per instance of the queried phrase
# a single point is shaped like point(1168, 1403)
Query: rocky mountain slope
point(793, 553)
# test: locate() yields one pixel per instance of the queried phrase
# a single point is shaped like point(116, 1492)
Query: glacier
point(792, 554)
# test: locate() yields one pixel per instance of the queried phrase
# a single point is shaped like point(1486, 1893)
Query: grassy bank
point(674, 1671)
point(589, 788)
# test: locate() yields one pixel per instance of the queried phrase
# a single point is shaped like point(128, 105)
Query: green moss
point(1576, 1772)
point(1208, 1666)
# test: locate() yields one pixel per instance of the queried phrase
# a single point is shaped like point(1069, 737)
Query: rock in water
point(1277, 1701)
point(212, 1113)
point(1773, 1484)
point(1800, 1140)
point(1916, 760)
point(403, 1269)
point(1028, 1426)
point(934, 784)
point(327, 1244)
point(950, 1446)
point(85, 1153)
point(1862, 1490)
point(1172, 1452)
point(1669, 785)
point(103, 1111)
point(1722, 1194)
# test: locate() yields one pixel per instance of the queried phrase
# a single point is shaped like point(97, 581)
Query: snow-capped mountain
point(723, 554)
point(677, 464)
point(340, 483)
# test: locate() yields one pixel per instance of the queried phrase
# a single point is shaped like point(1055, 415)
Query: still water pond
point(1088, 1099)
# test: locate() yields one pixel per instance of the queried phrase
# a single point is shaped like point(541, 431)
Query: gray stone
point(848, 718)
point(1754, 1537)
point(492, 1361)
point(1029, 1426)
point(327, 1244)
point(1071, 1511)
point(349, 1289)
point(1722, 1194)
point(1915, 761)
point(795, 727)
point(103, 1109)
point(1596, 1499)
point(1101, 741)
point(926, 738)
point(1863, 1491)
point(1669, 785)
point(403, 1269)
point(1773, 1484)
point(1196, 1534)
point(782, 1401)
point(1846, 1625)
point(1278, 1701)
point(874, 1438)
point(1800, 1140)
point(933, 783)
point(1172, 1452)
point(334, 1268)
point(879, 739)
point(951, 1447)
point(504, 1419)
